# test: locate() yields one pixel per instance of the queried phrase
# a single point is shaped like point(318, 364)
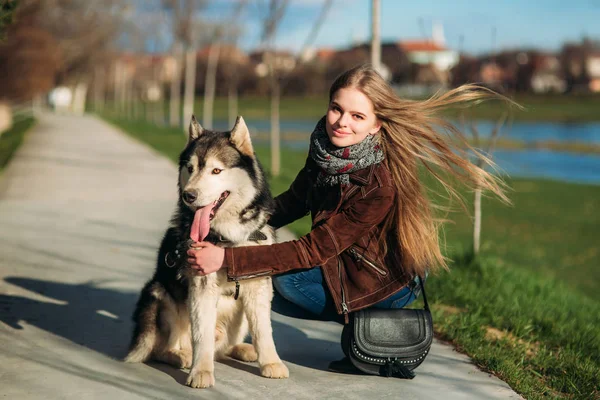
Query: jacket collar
point(364, 176)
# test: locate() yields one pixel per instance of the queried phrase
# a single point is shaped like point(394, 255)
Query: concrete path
point(82, 211)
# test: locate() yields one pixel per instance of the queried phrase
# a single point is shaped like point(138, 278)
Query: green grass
point(255, 107)
point(528, 308)
point(557, 108)
point(501, 143)
point(12, 139)
point(538, 108)
point(532, 331)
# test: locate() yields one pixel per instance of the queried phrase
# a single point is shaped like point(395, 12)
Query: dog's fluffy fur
point(185, 319)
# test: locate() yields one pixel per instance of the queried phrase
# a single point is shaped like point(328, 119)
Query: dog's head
point(218, 174)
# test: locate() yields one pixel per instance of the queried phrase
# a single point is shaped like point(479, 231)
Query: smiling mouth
point(202, 217)
point(218, 204)
point(340, 133)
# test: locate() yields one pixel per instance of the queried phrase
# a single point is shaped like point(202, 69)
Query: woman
point(373, 232)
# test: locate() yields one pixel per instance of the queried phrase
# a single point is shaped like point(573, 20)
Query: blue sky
point(544, 24)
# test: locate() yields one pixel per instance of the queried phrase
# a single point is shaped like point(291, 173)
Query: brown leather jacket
point(345, 227)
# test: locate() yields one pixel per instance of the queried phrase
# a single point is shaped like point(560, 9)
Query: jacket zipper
point(360, 257)
point(344, 305)
point(251, 276)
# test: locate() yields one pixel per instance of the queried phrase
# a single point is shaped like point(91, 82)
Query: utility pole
point(375, 35)
point(189, 88)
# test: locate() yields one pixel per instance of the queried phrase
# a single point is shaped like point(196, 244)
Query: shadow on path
point(99, 319)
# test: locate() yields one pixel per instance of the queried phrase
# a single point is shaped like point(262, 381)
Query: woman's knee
point(291, 281)
point(283, 283)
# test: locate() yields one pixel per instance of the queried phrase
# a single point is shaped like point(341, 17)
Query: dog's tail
point(146, 329)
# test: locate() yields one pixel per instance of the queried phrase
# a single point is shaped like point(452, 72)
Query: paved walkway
point(82, 211)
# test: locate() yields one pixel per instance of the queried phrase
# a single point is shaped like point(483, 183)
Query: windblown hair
point(411, 135)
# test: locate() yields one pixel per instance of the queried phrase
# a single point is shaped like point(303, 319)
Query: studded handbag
point(390, 342)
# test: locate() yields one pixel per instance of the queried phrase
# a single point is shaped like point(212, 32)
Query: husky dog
point(223, 198)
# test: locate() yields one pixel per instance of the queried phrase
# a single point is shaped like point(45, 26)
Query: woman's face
point(350, 118)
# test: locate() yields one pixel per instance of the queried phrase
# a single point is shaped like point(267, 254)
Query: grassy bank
point(528, 309)
point(502, 143)
point(537, 108)
point(542, 108)
point(551, 108)
point(12, 139)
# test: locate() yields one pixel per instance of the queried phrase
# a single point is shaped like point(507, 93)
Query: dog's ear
point(195, 130)
point(240, 137)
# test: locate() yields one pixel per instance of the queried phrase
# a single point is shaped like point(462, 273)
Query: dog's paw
point(201, 379)
point(275, 371)
point(176, 358)
point(243, 352)
point(186, 358)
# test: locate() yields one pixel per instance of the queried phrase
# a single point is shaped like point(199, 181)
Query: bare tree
point(44, 50)
point(480, 162)
point(190, 58)
point(213, 61)
point(174, 6)
point(7, 9)
point(184, 25)
point(277, 78)
point(87, 41)
point(28, 56)
point(273, 16)
point(175, 87)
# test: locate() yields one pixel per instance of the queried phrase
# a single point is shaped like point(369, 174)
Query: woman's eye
point(358, 116)
point(190, 169)
point(216, 171)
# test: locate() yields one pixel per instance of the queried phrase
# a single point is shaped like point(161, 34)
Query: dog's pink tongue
point(201, 224)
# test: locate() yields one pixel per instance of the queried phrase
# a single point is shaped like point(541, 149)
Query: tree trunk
point(275, 142)
point(123, 90)
point(129, 99)
point(79, 96)
point(190, 84)
point(209, 85)
point(375, 36)
point(99, 89)
point(159, 113)
point(232, 103)
point(477, 221)
point(175, 92)
point(116, 88)
point(136, 105)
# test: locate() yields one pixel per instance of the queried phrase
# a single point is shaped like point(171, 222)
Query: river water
point(565, 166)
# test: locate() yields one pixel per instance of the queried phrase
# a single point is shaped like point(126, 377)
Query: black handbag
point(390, 342)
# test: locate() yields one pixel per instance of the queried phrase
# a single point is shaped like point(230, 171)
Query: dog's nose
point(189, 196)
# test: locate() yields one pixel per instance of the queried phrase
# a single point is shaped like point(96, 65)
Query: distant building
point(320, 56)
point(491, 74)
point(429, 52)
point(227, 53)
point(592, 66)
point(547, 74)
point(432, 62)
point(283, 61)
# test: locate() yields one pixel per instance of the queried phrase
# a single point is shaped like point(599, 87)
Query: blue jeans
point(304, 294)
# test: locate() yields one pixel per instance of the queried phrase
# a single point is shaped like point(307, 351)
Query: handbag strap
point(421, 281)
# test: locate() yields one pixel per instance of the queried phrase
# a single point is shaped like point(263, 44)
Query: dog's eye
point(190, 168)
point(216, 171)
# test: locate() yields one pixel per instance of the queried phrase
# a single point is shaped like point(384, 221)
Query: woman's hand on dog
point(205, 257)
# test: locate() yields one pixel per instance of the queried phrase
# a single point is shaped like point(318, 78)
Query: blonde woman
point(373, 230)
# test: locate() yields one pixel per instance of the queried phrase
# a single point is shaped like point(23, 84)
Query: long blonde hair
point(413, 134)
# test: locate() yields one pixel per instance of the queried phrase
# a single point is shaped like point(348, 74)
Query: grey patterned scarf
point(337, 163)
